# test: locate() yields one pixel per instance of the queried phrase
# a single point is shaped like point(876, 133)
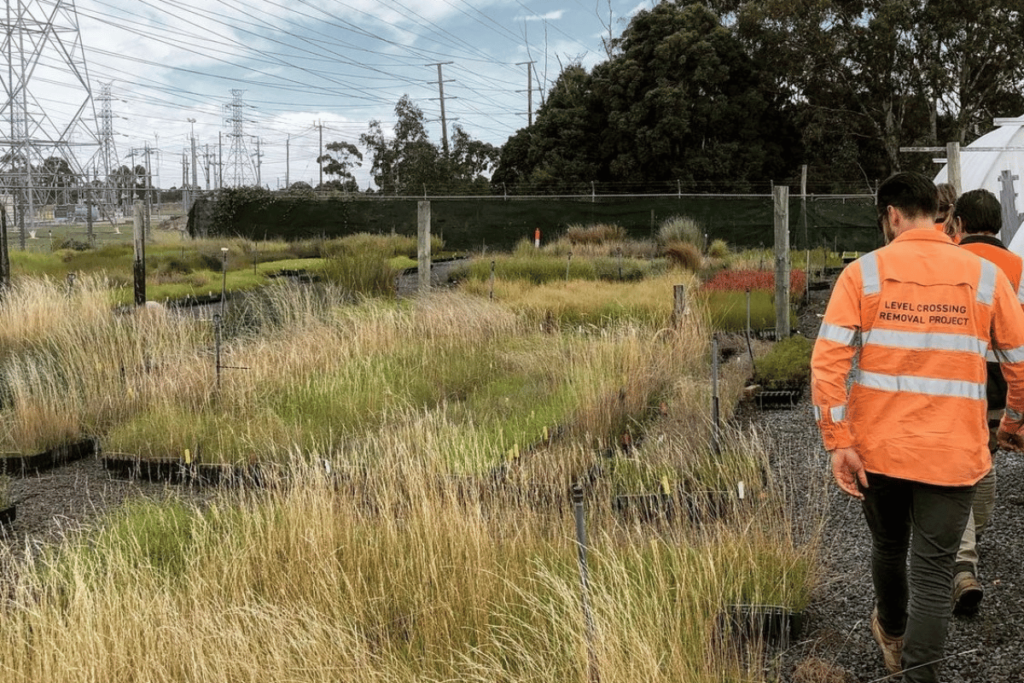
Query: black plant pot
point(768, 624)
point(55, 457)
point(8, 515)
point(644, 507)
point(708, 506)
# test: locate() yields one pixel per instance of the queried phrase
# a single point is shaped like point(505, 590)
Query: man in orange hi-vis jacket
point(978, 217)
point(910, 441)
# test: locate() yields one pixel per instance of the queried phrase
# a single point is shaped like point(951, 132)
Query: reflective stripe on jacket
point(992, 249)
point(922, 315)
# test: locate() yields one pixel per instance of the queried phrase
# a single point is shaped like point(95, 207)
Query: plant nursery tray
point(55, 457)
point(194, 300)
point(769, 624)
point(779, 398)
point(8, 515)
point(768, 333)
point(178, 472)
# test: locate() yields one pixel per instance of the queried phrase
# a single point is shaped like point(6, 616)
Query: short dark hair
point(980, 211)
point(912, 193)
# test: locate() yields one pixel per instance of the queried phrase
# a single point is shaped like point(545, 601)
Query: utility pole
point(287, 161)
point(149, 194)
point(320, 124)
point(259, 164)
point(206, 165)
point(195, 169)
point(444, 120)
point(220, 160)
point(184, 181)
point(529, 90)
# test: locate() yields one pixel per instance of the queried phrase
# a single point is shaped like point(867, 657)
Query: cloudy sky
point(300, 64)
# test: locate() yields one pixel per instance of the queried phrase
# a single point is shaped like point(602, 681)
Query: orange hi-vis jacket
point(992, 249)
point(922, 314)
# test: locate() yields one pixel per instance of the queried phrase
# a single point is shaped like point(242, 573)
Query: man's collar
point(989, 239)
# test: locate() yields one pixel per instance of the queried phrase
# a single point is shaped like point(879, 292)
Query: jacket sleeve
point(1008, 346)
point(832, 359)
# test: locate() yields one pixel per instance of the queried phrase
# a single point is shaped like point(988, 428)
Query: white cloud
point(550, 16)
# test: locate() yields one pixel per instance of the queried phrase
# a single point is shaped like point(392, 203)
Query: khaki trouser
point(981, 513)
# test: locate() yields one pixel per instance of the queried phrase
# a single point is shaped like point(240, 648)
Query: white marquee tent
point(995, 162)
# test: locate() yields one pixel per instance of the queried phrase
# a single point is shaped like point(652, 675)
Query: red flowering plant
point(725, 295)
point(754, 280)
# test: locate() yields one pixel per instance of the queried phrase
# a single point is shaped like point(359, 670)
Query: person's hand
point(847, 469)
point(1010, 442)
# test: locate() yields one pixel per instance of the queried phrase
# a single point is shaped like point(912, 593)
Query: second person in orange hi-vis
point(910, 439)
point(978, 217)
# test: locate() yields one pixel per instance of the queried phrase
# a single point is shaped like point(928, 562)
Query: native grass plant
point(74, 367)
point(588, 303)
point(545, 267)
point(786, 364)
point(684, 255)
point(725, 295)
point(396, 580)
point(476, 370)
point(718, 249)
point(728, 310)
point(597, 233)
point(681, 229)
point(562, 246)
point(763, 259)
point(367, 265)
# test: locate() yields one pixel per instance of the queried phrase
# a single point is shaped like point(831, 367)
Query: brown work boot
point(892, 646)
point(967, 594)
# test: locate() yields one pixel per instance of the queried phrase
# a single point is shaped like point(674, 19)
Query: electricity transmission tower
point(239, 159)
point(42, 60)
point(106, 157)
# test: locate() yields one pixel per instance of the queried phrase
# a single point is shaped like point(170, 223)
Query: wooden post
point(803, 202)
point(139, 266)
point(5, 256)
point(423, 245)
point(716, 429)
point(953, 166)
point(678, 304)
point(781, 262)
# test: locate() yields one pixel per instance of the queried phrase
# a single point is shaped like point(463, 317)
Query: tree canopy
point(408, 163)
point(679, 100)
point(722, 93)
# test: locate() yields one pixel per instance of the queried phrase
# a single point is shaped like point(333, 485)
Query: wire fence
point(839, 222)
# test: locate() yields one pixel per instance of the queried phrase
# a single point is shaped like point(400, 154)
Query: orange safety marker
point(536, 238)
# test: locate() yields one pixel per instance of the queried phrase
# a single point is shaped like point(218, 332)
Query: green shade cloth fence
point(842, 223)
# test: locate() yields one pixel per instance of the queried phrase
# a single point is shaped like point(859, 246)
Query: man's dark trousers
point(929, 521)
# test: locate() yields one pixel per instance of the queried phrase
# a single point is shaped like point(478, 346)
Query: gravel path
point(986, 648)
point(55, 501)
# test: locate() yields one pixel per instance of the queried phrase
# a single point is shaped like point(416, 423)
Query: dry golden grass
point(394, 581)
point(397, 566)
